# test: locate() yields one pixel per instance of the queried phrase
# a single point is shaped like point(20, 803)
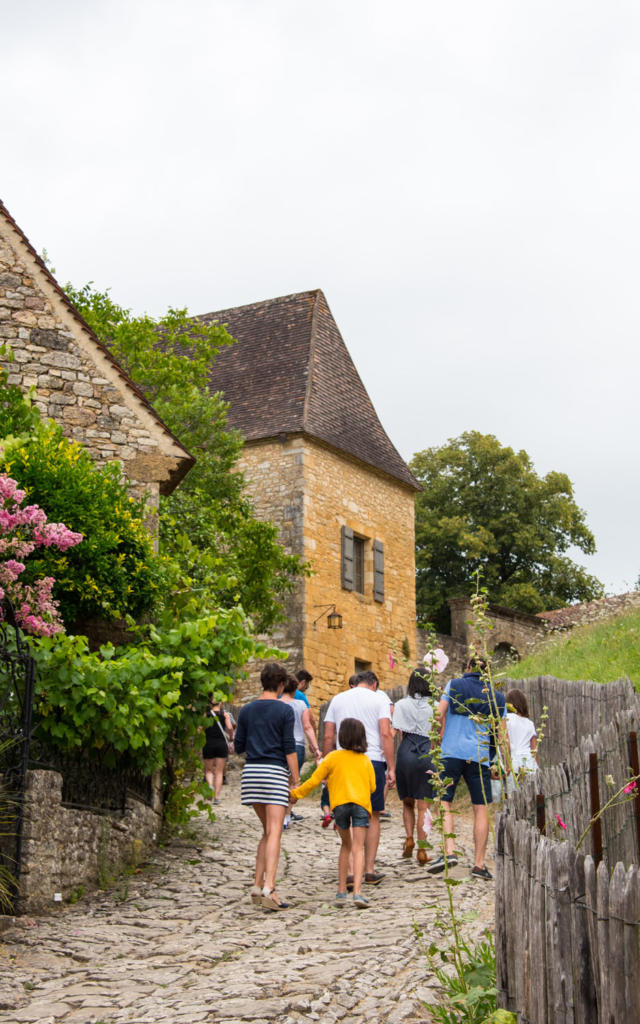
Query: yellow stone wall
point(310, 492)
point(340, 492)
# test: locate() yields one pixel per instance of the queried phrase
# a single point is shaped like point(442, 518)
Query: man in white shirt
point(373, 708)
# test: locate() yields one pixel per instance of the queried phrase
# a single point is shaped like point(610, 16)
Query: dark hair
point(519, 701)
point(477, 664)
point(273, 676)
point(353, 680)
point(352, 735)
point(368, 677)
point(419, 684)
point(291, 684)
point(303, 676)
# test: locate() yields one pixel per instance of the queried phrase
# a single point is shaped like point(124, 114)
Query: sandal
point(271, 901)
point(422, 857)
point(407, 849)
point(256, 895)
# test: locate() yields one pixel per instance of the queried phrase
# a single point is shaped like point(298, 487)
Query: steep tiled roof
point(290, 373)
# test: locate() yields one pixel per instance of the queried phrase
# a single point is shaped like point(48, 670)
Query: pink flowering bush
point(23, 529)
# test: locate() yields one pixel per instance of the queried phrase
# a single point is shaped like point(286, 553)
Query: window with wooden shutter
point(378, 570)
point(347, 558)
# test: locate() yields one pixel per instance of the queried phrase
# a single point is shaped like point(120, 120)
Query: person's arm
point(240, 739)
point(292, 761)
point(441, 712)
point(386, 740)
point(329, 738)
point(228, 724)
point(310, 734)
point(320, 773)
point(533, 743)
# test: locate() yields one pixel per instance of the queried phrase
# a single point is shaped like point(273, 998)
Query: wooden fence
point(567, 919)
point(575, 710)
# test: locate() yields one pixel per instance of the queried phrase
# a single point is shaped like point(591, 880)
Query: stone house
point(76, 381)
point(319, 464)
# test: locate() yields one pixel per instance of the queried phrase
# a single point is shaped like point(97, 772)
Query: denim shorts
point(477, 777)
point(346, 815)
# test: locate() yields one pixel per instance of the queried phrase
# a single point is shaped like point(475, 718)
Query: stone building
point(319, 464)
point(75, 380)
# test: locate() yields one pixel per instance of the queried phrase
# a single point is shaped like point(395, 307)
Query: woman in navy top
point(265, 734)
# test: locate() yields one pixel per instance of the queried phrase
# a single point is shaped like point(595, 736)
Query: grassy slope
point(601, 652)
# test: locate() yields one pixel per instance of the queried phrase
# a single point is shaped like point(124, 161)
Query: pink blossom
point(392, 662)
point(630, 788)
point(436, 660)
point(560, 821)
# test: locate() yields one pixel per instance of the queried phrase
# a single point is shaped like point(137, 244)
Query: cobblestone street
point(181, 942)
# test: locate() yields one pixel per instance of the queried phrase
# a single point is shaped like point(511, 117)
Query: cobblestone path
point(181, 942)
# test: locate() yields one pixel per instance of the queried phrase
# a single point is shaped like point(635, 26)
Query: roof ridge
point(311, 362)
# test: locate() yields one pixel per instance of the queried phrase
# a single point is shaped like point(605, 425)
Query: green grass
point(599, 652)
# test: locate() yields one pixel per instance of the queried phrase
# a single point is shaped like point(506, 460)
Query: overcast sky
point(460, 179)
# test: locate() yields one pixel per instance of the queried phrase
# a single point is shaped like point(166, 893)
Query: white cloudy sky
point(461, 179)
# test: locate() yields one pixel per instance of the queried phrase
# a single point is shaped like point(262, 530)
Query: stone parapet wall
point(64, 848)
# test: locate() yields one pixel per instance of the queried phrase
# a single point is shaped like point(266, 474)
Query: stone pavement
point(180, 942)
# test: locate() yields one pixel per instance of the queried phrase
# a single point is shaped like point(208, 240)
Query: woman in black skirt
point(265, 733)
point(413, 717)
point(219, 734)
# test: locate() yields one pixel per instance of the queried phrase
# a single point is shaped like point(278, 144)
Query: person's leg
point(421, 820)
point(408, 817)
point(480, 833)
point(274, 818)
point(371, 843)
point(260, 810)
point(359, 836)
point(208, 770)
point(219, 763)
point(343, 859)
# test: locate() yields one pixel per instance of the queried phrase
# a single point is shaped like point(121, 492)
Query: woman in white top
point(413, 716)
point(523, 740)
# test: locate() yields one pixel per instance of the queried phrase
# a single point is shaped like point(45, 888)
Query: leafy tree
point(208, 525)
point(483, 507)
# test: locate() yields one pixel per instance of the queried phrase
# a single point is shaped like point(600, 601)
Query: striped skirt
point(264, 784)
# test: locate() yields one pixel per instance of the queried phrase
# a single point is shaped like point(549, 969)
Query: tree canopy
point(208, 526)
point(484, 508)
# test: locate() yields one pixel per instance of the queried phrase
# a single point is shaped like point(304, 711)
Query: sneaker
point(439, 864)
point(385, 814)
point(481, 873)
point(373, 878)
point(360, 901)
point(340, 899)
point(297, 817)
point(326, 821)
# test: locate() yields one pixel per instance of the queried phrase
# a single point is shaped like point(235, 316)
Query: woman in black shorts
point(413, 716)
point(219, 733)
point(265, 733)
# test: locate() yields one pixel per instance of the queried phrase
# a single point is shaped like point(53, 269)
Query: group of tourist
point(473, 728)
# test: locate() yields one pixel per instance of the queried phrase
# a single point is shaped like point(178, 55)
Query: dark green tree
point(484, 508)
point(208, 526)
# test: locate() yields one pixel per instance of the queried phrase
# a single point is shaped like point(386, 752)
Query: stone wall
point(64, 848)
point(342, 492)
point(310, 491)
point(75, 382)
point(518, 631)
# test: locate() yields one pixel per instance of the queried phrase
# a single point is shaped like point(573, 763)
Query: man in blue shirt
point(472, 722)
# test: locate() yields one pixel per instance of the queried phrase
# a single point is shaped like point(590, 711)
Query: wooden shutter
point(378, 571)
point(347, 558)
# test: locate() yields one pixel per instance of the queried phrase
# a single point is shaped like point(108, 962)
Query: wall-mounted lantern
point(334, 618)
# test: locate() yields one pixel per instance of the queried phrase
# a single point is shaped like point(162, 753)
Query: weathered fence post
point(596, 828)
point(540, 814)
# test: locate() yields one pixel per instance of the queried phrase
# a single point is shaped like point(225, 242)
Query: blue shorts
point(346, 815)
point(477, 777)
point(377, 797)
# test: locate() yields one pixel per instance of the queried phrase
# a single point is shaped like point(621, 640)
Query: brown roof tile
point(290, 373)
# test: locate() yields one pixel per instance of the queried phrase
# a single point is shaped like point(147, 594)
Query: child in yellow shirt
point(351, 781)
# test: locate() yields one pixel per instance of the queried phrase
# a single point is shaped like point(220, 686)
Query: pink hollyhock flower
point(630, 788)
point(436, 660)
point(560, 821)
point(392, 661)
